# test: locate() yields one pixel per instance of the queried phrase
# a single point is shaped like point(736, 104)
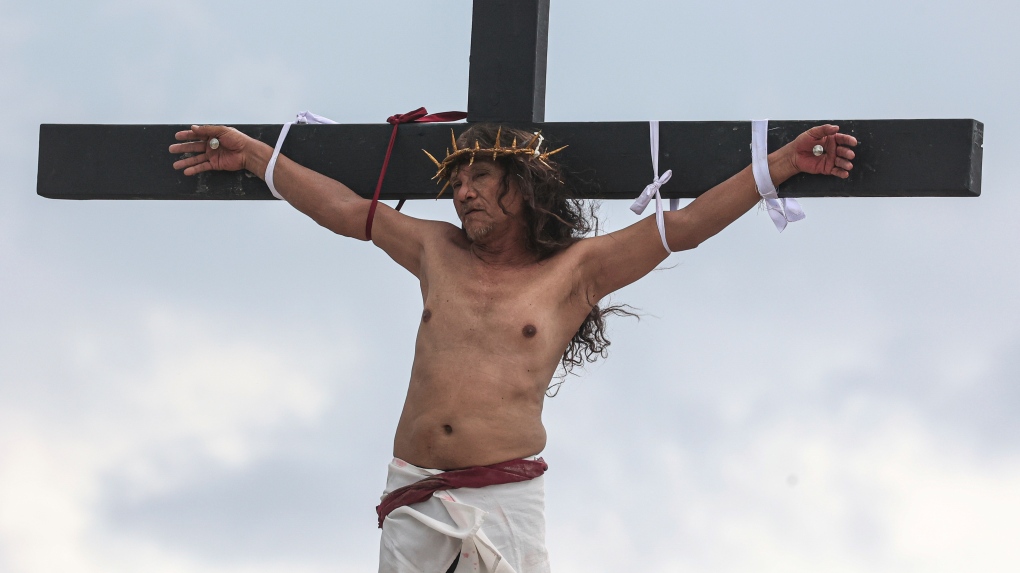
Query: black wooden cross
point(509, 38)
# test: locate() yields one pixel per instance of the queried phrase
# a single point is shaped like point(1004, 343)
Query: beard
point(476, 233)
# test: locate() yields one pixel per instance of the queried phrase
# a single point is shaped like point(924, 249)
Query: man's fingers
point(820, 131)
point(841, 173)
point(207, 131)
point(190, 161)
point(845, 139)
point(198, 168)
point(845, 152)
point(186, 135)
point(844, 164)
point(190, 147)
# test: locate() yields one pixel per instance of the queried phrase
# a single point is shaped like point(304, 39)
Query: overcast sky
point(213, 387)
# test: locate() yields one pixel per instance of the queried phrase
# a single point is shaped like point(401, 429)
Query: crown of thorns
point(530, 149)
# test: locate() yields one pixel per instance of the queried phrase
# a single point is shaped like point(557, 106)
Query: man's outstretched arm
point(327, 201)
point(620, 258)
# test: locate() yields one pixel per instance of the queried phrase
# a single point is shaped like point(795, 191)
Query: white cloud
point(824, 496)
point(193, 395)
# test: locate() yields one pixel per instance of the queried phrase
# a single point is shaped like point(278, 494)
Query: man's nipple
point(529, 330)
point(426, 315)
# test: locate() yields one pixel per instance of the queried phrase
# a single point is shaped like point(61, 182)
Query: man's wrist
point(782, 165)
point(256, 157)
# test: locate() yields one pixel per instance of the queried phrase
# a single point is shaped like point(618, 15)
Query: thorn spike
point(554, 152)
point(443, 190)
point(434, 160)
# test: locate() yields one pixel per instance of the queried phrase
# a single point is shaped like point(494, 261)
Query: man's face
point(476, 189)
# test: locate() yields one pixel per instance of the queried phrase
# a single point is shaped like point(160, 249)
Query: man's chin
point(477, 233)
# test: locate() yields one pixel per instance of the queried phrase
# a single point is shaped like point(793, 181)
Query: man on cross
point(508, 296)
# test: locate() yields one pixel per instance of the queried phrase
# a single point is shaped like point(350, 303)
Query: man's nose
point(465, 191)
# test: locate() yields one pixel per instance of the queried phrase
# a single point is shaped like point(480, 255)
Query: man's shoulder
point(578, 248)
point(567, 259)
point(443, 235)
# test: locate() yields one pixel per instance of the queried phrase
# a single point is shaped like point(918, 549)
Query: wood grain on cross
point(509, 38)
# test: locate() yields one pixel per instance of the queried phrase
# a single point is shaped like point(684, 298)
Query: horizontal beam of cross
point(896, 158)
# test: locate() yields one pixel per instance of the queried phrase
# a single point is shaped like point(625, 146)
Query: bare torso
point(489, 342)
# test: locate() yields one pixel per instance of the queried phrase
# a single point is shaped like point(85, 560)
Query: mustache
point(472, 207)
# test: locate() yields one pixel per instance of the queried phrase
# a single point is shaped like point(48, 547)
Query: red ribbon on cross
point(420, 115)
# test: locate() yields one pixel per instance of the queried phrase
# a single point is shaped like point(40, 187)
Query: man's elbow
point(343, 218)
point(683, 234)
point(684, 243)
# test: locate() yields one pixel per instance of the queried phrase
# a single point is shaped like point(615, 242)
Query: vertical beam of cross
point(509, 43)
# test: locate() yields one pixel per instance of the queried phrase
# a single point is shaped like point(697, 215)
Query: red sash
point(417, 116)
point(479, 476)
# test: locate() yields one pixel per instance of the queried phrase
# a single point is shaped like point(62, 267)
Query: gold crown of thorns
point(531, 148)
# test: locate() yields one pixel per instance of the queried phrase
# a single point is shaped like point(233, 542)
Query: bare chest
point(474, 304)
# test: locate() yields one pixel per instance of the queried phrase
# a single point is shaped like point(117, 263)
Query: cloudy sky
point(213, 387)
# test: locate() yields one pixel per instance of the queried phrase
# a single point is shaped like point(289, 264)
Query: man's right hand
point(230, 156)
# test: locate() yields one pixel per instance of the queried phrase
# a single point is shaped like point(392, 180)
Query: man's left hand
point(836, 158)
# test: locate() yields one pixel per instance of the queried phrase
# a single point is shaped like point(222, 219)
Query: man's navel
point(426, 315)
point(529, 330)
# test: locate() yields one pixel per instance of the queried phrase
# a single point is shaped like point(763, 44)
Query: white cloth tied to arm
point(652, 189)
point(782, 211)
point(302, 117)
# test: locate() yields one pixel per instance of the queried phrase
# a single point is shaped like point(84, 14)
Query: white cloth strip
point(309, 117)
point(782, 211)
point(302, 117)
point(652, 189)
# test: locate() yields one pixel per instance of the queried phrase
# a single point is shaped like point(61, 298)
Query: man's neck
point(505, 250)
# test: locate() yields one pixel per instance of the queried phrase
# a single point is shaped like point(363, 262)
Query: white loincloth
point(496, 529)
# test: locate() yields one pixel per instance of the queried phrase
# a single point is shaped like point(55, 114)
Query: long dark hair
point(556, 216)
